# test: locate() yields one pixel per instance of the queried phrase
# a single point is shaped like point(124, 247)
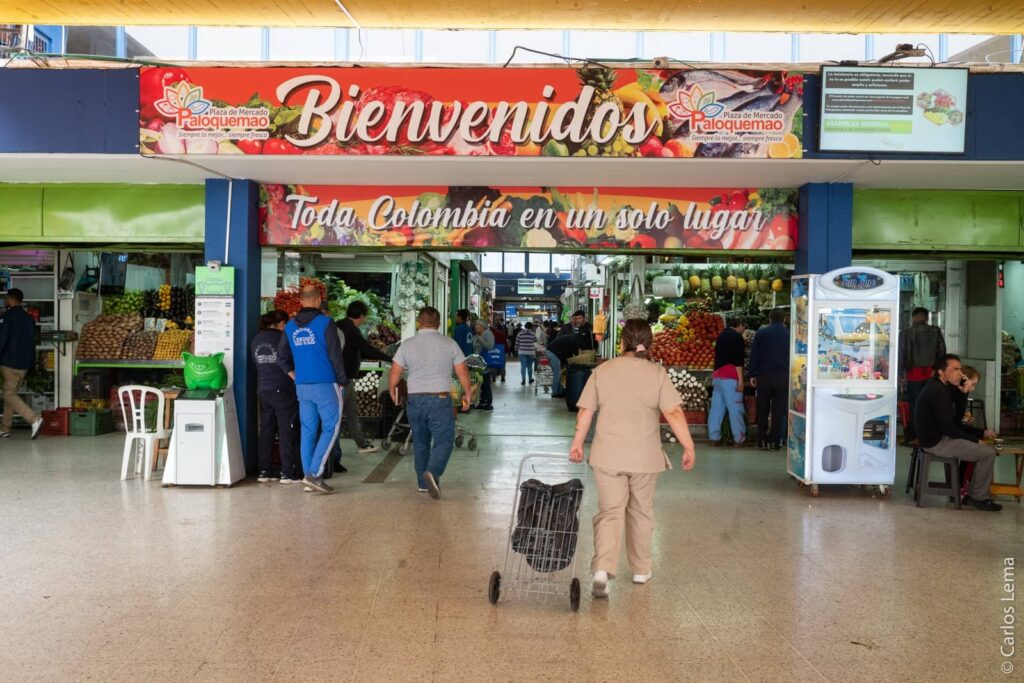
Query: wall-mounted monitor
point(893, 109)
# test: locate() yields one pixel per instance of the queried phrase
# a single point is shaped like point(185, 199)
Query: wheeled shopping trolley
point(540, 556)
point(543, 376)
point(400, 430)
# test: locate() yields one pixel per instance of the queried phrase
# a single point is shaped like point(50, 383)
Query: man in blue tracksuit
point(310, 351)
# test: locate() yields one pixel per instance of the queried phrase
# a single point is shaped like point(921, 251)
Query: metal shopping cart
point(543, 375)
point(540, 556)
point(401, 430)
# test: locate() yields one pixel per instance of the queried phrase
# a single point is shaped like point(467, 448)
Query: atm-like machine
point(843, 380)
point(205, 448)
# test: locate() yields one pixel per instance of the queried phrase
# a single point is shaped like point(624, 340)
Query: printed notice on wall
point(214, 328)
point(871, 109)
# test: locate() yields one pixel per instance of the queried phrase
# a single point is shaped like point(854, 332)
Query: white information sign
point(214, 328)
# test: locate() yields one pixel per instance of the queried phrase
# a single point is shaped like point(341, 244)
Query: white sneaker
point(4, 435)
point(641, 579)
point(36, 426)
point(600, 587)
point(368, 448)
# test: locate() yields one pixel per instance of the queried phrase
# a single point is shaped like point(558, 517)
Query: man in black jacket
point(17, 356)
point(940, 433)
point(582, 330)
point(769, 374)
point(558, 352)
point(355, 349)
point(921, 347)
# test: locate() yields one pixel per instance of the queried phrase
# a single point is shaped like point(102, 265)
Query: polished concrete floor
point(754, 580)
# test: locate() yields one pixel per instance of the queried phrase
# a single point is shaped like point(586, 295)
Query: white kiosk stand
point(205, 448)
point(842, 394)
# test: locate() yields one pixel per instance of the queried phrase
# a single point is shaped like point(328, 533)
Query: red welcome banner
point(594, 111)
point(570, 219)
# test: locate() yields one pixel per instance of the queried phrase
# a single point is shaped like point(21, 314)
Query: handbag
point(495, 358)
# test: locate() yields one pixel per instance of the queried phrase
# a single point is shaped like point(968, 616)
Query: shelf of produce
point(130, 364)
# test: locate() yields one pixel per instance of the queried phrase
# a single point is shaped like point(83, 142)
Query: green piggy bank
point(205, 372)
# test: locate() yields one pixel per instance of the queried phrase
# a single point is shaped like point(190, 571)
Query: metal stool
point(950, 487)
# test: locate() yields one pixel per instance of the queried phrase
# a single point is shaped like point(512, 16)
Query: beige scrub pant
point(624, 500)
point(12, 402)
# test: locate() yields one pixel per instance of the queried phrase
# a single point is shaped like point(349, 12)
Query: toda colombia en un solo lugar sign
point(593, 111)
point(734, 219)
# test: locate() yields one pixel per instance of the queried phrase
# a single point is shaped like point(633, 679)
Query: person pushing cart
point(430, 358)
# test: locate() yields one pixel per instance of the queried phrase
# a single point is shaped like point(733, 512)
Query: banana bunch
point(656, 110)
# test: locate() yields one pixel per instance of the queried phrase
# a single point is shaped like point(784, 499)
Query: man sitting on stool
point(939, 432)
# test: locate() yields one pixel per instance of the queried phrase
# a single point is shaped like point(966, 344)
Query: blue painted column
point(825, 240)
point(238, 245)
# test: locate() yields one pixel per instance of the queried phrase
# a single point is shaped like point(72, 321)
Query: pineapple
point(776, 279)
point(716, 279)
point(705, 281)
point(741, 281)
point(732, 282)
point(694, 281)
point(602, 79)
point(752, 282)
point(763, 284)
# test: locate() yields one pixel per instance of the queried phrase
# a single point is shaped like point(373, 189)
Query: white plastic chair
point(133, 408)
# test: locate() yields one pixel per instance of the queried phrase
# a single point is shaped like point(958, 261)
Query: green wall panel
point(937, 220)
point(21, 212)
point(128, 213)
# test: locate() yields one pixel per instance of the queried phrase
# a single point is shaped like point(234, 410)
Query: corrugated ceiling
point(865, 16)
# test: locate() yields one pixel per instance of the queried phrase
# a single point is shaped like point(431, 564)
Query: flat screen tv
point(895, 110)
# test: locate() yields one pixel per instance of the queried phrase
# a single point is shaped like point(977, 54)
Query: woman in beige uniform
point(628, 394)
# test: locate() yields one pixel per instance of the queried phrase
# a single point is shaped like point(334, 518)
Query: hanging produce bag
point(635, 308)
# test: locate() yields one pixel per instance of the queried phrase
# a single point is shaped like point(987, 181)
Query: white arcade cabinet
point(205, 448)
point(843, 383)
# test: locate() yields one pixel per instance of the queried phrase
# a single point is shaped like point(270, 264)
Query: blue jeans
point(526, 362)
point(319, 406)
point(556, 372)
point(725, 396)
point(433, 434)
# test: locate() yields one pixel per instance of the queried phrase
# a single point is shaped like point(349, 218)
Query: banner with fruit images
point(571, 218)
point(594, 111)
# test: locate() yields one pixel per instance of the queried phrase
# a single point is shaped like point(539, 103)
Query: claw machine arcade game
point(843, 379)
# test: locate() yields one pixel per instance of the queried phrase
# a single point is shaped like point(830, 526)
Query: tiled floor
point(754, 579)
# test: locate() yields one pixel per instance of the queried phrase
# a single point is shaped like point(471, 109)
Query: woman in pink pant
point(628, 394)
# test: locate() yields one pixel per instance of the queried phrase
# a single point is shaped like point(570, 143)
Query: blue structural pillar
point(235, 242)
point(825, 240)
